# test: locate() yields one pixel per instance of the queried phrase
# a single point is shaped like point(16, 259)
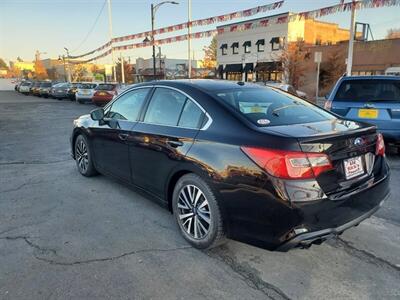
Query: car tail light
point(328, 105)
point(380, 145)
point(289, 164)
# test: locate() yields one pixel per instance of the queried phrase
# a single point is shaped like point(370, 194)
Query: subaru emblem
point(358, 142)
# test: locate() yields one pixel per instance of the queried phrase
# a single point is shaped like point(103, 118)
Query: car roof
point(371, 77)
point(208, 85)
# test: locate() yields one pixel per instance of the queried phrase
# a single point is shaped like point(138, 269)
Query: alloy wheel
point(194, 212)
point(82, 158)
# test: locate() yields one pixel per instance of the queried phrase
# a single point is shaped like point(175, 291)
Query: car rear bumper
point(260, 217)
point(316, 237)
point(83, 97)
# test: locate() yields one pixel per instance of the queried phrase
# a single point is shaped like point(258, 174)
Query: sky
point(51, 25)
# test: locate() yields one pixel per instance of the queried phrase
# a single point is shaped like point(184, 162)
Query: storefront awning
point(248, 67)
point(270, 66)
point(233, 68)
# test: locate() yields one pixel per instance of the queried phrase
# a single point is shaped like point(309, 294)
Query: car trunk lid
point(349, 145)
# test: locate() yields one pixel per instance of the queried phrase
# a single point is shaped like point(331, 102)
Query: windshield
point(46, 84)
point(87, 86)
point(369, 90)
point(105, 87)
point(270, 107)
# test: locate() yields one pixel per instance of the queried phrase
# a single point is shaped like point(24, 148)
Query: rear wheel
point(83, 157)
point(197, 212)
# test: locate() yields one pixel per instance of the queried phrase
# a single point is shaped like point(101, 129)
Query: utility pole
point(122, 68)
point(111, 38)
point(152, 42)
point(68, 65)
point(189, 39)
point(159, 57)
point(351, 39)
point(318, 60)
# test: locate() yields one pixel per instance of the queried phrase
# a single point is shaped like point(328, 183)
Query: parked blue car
point(370, 99)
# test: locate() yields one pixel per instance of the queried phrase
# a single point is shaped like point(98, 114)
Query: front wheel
point(197, 212)
point(83, 157)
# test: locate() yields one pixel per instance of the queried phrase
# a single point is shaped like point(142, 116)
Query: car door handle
point(175, 144)
point(123, 136)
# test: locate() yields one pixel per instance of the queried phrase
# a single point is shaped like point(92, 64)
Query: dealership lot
point(66, 236)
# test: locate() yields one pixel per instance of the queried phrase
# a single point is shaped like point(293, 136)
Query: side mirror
point(327, 96)
point(97, 114)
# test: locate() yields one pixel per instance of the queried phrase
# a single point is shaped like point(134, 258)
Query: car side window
point(128, 106)
point(165, 107)
point(192, 116)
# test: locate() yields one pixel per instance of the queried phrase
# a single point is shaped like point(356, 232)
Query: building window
point(276, 43)
point(224, 49)
point(247, 46)
point(260, 45)
point(235, 48)
point(318, 41)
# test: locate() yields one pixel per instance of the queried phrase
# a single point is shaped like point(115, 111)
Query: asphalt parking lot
point(63, 236)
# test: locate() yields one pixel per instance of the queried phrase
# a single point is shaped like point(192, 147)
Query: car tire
point(207, 230)
point(83, 157)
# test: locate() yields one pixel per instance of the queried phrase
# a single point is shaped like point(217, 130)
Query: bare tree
point(333, 68)
point(292, 57)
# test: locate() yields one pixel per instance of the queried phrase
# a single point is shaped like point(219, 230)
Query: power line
point(91, 29)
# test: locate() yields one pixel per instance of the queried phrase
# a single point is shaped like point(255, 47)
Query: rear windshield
point(270, 107)
point(105, 87)
point(26, 84)
point(369, 90)
point(46, 84)
point(87, 86)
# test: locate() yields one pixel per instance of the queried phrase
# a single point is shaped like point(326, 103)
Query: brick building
point(370, 58)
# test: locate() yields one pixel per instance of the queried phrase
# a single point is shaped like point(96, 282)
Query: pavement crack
point(31, 244)
point(109, 258)
point(363, 255)
point(46, 251)
point(34, 162)
point(26, 184)
point(248, 274)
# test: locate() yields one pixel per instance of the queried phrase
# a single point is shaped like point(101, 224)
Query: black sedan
point(237, 160)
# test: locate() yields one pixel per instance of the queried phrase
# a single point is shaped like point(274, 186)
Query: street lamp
point(65, 71)
point(154, 9)
point(68, 74)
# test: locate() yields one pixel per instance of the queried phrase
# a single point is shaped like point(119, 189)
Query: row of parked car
point(81, 92)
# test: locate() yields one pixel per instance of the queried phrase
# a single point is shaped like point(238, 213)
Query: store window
point(276, 43)
point(260, 45)
point(247, 46)
point(224, 49)
point(235, 48)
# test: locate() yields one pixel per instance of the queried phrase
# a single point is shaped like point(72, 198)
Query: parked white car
point(84, 92)
point(25, 87)
point(287, 88)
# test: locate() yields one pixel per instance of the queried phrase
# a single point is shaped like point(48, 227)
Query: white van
point(393, 71)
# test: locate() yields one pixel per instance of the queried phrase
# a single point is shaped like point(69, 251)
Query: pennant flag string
point(201, 22)
point(361, 4)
